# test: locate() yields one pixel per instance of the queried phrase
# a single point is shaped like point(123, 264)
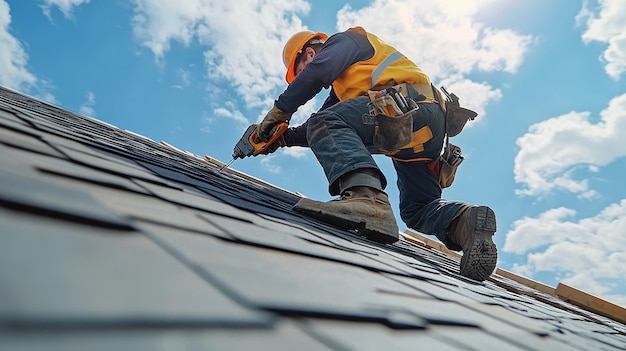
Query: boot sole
point(368, 230)
point(481, 258)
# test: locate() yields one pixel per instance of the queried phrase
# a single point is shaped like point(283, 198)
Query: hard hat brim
point(291, 74)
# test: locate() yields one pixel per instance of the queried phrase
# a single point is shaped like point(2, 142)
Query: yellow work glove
point(272, 118)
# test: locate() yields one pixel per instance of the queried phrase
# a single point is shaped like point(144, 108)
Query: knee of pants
point(409, 214)
point(317, 128)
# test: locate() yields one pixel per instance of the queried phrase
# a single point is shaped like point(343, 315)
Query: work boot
point(473, 230)
point(362, 208)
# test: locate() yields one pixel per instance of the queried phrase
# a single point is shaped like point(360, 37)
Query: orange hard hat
point(294, 46)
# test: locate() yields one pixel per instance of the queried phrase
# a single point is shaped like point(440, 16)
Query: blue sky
point(547, 77)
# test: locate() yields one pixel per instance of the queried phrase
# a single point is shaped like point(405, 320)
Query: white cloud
point(588, 253)
point(185, 76)
point(65, 6)
point(231, 112)
point(472, 95)
point(296, 152)
point(532, 233)
point(268, 164)
point(607, 26)
point(244, 39)
point(442, 38)
point(304, 112)
point(87, 107)
point(13, 59)
point(554, 149)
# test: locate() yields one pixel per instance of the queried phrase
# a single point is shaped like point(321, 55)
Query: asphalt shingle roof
point(109, 240)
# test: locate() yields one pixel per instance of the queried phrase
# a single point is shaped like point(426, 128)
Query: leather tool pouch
point(456, 116)
point(449, 163)
point(393, 132)
point(392, 112)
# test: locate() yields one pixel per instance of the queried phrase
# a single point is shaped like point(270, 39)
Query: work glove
point(272, 118)
point(278, 143)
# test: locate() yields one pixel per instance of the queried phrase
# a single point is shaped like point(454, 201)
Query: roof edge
point(590, 302)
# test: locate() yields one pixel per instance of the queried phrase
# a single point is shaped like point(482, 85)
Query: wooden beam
point(424, 241)
point(591, 303)
point(525, 281)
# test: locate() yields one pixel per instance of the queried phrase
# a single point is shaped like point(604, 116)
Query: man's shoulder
point(355, 33)
point(350, 37)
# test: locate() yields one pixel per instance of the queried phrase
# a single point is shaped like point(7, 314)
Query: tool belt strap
point(427, 89)
point(417, 159)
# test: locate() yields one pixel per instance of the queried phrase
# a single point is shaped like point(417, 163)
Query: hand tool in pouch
point(392, 113)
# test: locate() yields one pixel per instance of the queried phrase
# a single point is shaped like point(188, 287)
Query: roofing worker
point(353, 62)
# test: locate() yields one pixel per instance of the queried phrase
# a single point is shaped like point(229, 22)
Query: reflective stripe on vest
point(383, 65)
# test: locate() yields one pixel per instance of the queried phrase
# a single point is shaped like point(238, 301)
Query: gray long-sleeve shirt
point(339, 52)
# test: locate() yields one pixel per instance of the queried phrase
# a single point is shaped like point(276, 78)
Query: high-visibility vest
point(386, 67)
